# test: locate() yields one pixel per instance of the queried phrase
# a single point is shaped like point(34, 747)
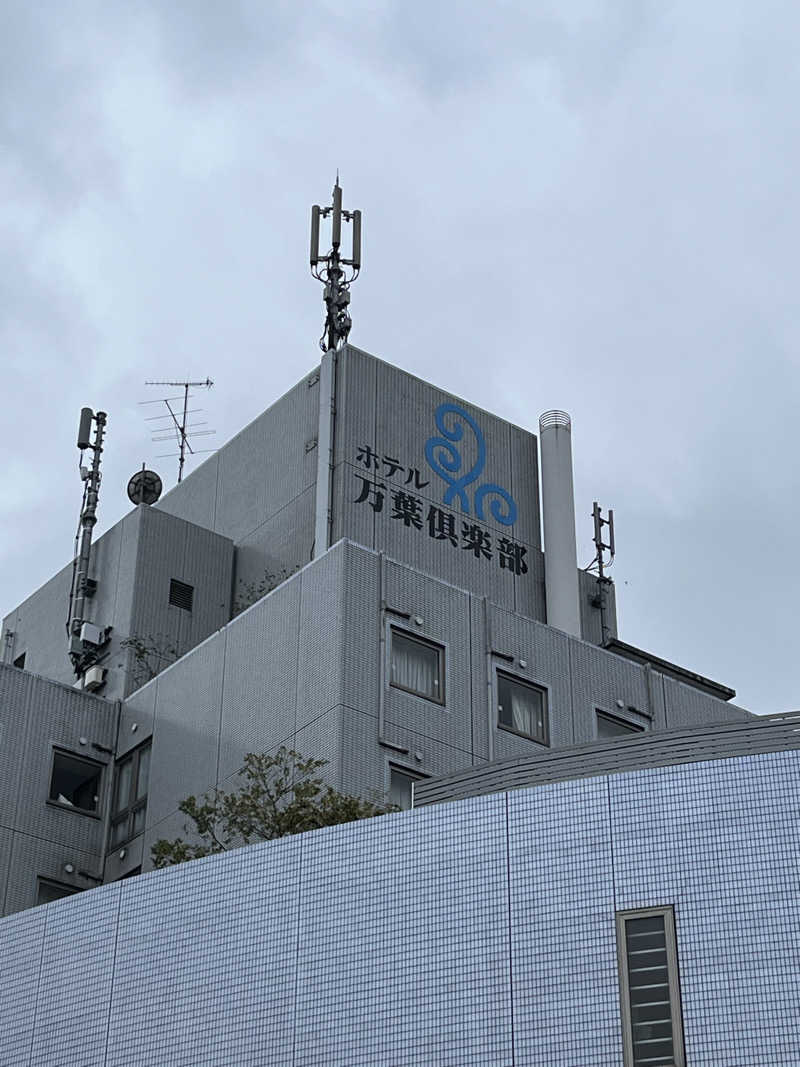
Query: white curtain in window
point(415, 667)
point(525, 711)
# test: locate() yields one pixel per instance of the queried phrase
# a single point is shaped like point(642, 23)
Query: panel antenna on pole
point(177, 428)
point(331, 269)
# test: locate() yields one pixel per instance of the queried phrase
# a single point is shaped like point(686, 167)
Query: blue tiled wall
point(478, 932)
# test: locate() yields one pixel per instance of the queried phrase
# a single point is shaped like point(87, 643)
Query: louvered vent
point(181, 594)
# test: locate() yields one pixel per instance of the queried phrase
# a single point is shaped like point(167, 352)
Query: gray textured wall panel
point(171, 548)
point(546, 654)
point(403, 422)
point(77, 1011)
point(186, 730)
point(19, 981)
point(278, 548)
point(444, 611)
point(266, 465)
point(599, 681)
point(195, 498)
point(15, 694)
point(320, 638)
point(686, 706)
point(6, 841)
point(258, 705)
point(322, 738)
point(366, 763)
point(35, 857)
point(176, 918)
point(362, 628)
point(139, 711)
point(60, 717)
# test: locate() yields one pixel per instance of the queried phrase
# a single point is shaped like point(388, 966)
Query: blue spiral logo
point(445, 460)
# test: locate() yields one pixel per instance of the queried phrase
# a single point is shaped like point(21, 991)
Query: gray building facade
point(358, 574)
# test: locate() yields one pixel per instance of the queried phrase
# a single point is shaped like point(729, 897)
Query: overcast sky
point(584, 205)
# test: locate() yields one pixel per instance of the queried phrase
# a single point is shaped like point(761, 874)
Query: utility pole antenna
point(601, 563)
point(330, 269)
point(177, 424)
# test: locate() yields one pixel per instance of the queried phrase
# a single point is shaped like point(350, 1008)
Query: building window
point(521, 707)
point(652, 1029)
point(130, 795)
point(401, 783)
point(181, 595)
point(610, 726)
point(75, 783)
point(20, 661)
point(48, 891)
point(416, 665)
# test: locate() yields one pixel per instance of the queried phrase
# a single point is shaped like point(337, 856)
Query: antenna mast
point(179, 424)
point(329, 269)
point(81, 583)
point(600, 562)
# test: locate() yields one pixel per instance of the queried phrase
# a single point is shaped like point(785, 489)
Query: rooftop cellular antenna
point(330, 268)
point(177, 428)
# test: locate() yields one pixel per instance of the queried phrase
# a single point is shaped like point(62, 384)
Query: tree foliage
point(280, 795)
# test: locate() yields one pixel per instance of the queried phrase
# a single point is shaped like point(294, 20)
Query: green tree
point(280, 795)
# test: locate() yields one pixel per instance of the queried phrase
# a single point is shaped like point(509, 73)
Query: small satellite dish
point(144, 487)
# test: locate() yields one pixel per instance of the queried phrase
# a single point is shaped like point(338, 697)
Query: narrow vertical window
point(652, 1029)
point(401, 784)
point(130, 795)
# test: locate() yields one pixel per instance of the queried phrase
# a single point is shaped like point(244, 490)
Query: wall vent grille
point(181, 594)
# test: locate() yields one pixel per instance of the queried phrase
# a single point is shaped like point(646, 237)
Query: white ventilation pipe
point(558, 506)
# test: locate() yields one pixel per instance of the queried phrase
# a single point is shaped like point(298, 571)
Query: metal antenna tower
point(330, 269)
point(179, 426)
point(81, 583)
point(600, 563)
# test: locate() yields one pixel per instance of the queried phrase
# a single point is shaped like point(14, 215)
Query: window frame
point(43, 880)
point(632, 726)
point(673, 980)
point(133, 806)
point(528, 683)
point(414, 775)
point(58, 750)
point(426, 642)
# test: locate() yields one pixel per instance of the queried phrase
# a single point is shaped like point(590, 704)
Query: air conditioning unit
point(91, 634)
point(94, 678)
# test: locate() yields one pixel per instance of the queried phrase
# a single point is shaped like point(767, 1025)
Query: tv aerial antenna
point(177, 428)
point(331, 269)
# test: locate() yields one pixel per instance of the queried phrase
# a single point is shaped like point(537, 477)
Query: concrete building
point(406, 636)
point(360, 575)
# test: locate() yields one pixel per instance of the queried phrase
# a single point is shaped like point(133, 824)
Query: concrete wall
point(392, 413)
point(37, 839)
point(133, 564)
point(259, 490)
point(476, 932)
point(307, 666)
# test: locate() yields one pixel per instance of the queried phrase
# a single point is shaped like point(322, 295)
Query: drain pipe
point(558, 506)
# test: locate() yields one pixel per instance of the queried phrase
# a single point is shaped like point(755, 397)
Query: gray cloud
point(588, 206)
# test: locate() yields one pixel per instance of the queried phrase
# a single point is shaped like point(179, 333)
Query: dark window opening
point(133, 873)
point(416, 665)
point(20, 661)
point(521, 708)
point(401, 783)
point(130, 796)
point(611, 726)
point(651, 1014)
point(48, 891)
point(181, 594)
point(75, 783)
